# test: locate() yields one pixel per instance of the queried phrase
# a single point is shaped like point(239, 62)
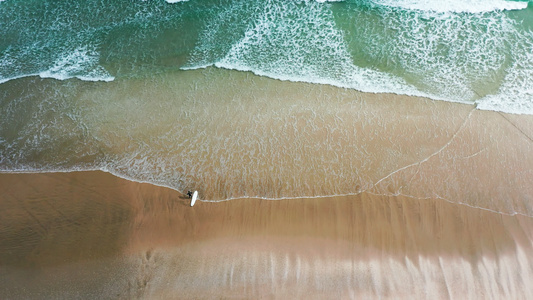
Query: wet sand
point(93, 235)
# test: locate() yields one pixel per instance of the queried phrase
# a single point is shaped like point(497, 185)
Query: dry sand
point(93, 235)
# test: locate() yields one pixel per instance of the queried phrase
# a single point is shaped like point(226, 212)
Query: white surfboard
point(194, 197)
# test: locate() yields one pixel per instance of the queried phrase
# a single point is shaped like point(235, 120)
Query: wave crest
point(455, 6)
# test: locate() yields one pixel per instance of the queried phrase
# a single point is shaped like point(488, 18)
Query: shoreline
point(252, 198)
point(93, 221)
point(281, 80)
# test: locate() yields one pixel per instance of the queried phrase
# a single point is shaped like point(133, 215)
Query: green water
point(465, 52)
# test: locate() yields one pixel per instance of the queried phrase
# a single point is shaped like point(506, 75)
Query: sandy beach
point(91, 234)
point(432, 199)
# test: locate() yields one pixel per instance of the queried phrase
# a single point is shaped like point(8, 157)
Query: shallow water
point(232, 134)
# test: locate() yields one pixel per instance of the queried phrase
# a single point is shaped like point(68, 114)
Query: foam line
point(455, 6)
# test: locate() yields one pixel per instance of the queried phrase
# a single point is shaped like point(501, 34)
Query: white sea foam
point(176, 1)
point(310, 49)
point(4, 80)
point(466, 57)
point(451, 57)
point(8, 61)
point(457, 6)
point(304, 44)
point(516, 93)
point(80, 63)
point(454, 57)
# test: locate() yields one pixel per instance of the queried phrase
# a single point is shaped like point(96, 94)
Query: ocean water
point(465, 51)
point(258, 98)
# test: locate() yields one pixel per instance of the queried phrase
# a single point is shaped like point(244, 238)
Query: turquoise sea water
point(466, 51)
